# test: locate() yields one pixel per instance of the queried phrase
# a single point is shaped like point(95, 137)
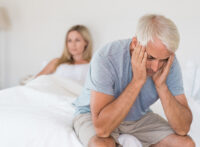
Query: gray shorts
point(150, 129)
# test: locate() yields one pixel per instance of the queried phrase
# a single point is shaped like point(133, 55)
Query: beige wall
point(38, 27)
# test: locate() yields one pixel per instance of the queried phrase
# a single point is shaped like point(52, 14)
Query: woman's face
point(75, 43)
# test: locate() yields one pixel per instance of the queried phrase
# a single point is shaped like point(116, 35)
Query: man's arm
point(176, 108)
point(107, 112)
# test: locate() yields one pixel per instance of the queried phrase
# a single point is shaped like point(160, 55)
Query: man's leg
point(84, 129)
point(150, 129)
point(96, 141)
point(174, 140)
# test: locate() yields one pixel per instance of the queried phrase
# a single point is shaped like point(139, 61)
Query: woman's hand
point(138, 61)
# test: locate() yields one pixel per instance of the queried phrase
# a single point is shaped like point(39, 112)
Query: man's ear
point(133, 42)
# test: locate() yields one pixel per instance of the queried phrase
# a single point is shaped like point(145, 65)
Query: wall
point(38, 28)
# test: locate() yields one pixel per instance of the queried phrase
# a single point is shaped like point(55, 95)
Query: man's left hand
point(160, 76)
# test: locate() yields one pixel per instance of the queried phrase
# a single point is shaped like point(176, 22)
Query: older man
point(124, 79)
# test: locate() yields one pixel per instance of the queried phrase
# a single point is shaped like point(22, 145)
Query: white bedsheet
point(39, 114)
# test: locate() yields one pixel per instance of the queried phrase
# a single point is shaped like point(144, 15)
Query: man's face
point(157, 56)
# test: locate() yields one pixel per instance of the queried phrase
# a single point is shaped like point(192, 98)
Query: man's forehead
point(157, 50)
point(163, 58)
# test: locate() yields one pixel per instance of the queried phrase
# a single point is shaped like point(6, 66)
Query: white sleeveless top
point(77, 72)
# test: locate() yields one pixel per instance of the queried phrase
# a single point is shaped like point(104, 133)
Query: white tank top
point(77, 72)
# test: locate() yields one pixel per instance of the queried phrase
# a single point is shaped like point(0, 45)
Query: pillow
point(188, 72)
point(196, 86)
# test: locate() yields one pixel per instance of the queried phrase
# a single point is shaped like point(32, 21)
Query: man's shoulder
point(175, 64)
point(114, 47)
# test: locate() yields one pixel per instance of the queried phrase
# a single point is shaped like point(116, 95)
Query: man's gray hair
point(157, 26)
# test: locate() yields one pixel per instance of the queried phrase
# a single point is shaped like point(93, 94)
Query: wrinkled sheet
point(39, 114)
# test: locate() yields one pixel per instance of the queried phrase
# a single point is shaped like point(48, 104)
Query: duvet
point(39, 114)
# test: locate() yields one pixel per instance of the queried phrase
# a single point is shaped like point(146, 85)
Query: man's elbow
point(182, 131)
point(102, 131)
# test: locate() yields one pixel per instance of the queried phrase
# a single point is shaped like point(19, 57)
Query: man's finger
point(137, 48)
point(169, 63)
point(141, 55)
point(144, 60)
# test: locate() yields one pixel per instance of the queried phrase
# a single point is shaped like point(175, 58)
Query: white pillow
point(188, 72)
point(196, 86)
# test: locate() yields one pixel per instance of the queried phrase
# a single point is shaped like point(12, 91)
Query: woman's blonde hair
point(157, 26)
point(66, 56)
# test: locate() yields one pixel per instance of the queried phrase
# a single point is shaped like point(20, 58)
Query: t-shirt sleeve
point(174, 79)
point(100, 75)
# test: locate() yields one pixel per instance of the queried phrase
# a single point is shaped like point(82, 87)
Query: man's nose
point(155, 65)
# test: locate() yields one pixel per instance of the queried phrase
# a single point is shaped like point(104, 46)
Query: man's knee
point(176, 140)
point(189, 142)
point(96, 141)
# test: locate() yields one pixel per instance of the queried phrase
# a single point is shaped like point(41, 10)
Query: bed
point(40, 113)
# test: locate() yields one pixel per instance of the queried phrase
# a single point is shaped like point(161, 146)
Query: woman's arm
point(49, 68)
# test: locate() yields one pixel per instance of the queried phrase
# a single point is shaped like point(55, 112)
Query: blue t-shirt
point(111, 71)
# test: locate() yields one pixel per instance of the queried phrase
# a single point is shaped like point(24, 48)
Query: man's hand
point(160, 76)
point(138, 61)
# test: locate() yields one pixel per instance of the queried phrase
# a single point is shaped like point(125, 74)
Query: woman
point(74, 61)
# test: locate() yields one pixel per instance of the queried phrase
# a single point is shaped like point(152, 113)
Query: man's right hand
point(138, 61)
point(107, 111)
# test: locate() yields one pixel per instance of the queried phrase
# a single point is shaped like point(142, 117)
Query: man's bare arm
point(176, 110)
point(175, 107)
point(107, 112)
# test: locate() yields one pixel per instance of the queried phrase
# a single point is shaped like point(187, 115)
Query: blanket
point(39, 114)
